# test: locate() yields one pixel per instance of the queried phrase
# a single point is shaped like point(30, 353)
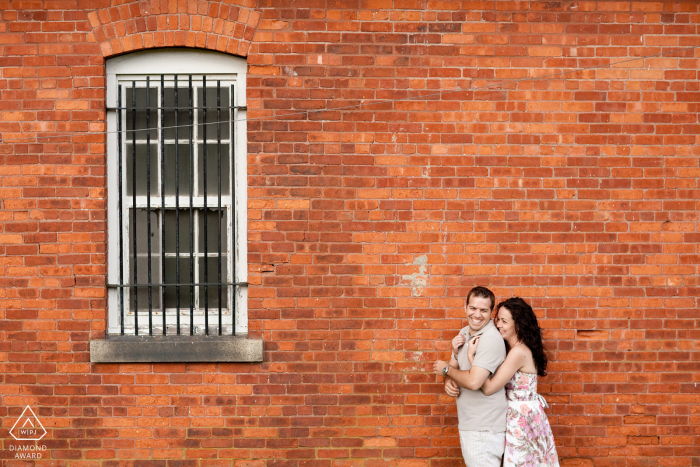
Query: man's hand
point(451, 388)
point(457, 342)
point(439, 366)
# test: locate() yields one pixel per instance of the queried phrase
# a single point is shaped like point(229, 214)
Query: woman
point(529, 439)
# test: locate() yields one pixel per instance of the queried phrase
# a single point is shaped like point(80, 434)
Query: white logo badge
point(28, 427)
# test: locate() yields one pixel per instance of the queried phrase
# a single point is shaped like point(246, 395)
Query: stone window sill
point(175, 349)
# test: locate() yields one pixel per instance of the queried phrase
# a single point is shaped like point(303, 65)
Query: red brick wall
point(368, 225)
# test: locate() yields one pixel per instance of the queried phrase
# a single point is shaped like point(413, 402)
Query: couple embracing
point(493, 373)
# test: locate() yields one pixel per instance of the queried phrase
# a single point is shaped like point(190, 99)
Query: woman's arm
point(471, 349)
point(457, 342)
point(515, 360)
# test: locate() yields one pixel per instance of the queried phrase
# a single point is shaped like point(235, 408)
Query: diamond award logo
point(28, 427)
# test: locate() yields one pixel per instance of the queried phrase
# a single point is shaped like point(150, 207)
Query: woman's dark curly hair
point(527, 329)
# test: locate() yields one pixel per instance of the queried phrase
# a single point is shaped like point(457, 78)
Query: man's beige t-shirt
point(476, 411)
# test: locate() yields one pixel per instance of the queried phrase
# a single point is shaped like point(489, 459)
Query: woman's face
point(505, 324)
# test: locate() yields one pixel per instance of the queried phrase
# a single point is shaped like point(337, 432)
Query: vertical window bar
point(177, 211)
point(218, 166)
point(133, 197)
point(204, 212)
point(162, 198)
point(192, 245)
point(148, 201)
point(120, 213)
point(233, 114)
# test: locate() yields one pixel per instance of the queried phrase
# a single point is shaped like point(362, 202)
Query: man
point(482, 419)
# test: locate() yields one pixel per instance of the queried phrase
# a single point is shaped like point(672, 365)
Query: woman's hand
point(471, 349)
point(438, 367)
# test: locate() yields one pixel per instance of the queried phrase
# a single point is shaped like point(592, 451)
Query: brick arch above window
point(223, 26)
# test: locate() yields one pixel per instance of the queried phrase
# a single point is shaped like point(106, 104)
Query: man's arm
point(453, 362)
point(470, 379)
point(439, 365)
point(451, 387)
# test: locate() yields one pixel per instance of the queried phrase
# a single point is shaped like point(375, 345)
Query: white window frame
point(183, 62)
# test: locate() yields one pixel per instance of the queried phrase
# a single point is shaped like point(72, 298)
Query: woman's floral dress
point(529, 439)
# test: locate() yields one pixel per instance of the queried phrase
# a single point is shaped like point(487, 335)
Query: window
point(176, 166)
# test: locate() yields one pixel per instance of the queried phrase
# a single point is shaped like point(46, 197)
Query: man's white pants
point(482, 448)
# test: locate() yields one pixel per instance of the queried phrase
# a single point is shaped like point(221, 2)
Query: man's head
point(480, 302)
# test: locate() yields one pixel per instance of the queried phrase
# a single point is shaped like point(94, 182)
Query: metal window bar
point(218, 172)
point(206, 218)
point(232, 239)
point(159, 206)
point(177, 209)
point(162, 197)
point(148, 202)
point(133, 192)
point(166, 107)
point(120, 213)
point(192, 289)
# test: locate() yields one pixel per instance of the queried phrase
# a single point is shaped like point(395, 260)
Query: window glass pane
point(171, 278)
point(141, 170)
point(213, 171)
point(181, 169)
point(213, 291)
point(142, 257)
point(213, 119)
point(211, 263)
point(171, 231)
point(141, 112)
point(212, 237)
point(183, 115)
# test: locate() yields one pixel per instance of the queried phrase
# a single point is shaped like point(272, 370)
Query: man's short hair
point(482, 292)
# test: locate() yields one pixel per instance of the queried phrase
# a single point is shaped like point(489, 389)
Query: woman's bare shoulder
point(522, 357)
point(520, 351)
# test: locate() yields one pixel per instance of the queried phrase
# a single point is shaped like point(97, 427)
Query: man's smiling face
point(478, 313)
